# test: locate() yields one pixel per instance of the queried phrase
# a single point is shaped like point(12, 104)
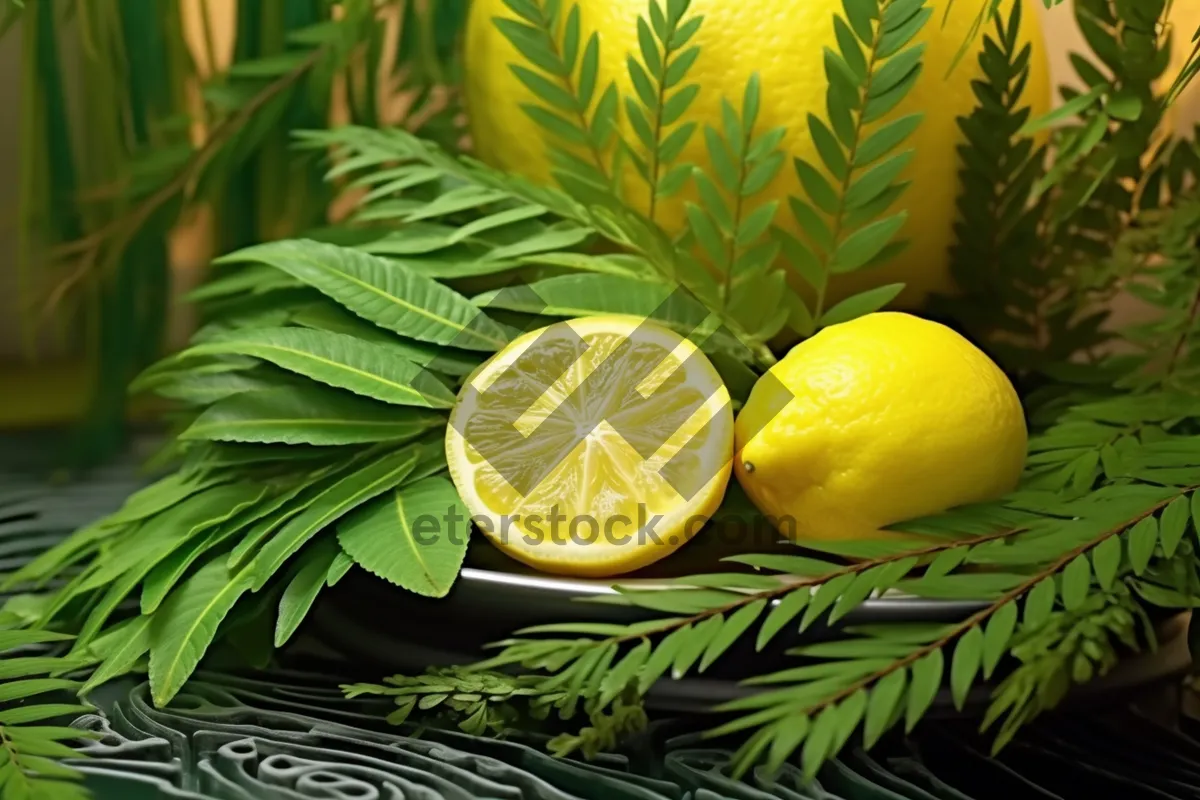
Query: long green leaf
point(308, 415)
point(382, 291)
point(184, 627)
point(326, 508)
point(328, 316)
point(134, 643)
point(415, 537)
point(339, 360)
point(302, 590)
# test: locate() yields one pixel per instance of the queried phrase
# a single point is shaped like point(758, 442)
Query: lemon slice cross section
point(592, 447)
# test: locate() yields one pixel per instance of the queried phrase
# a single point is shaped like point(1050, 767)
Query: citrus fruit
point(782, 41)
point(874, 421)
point(592, 447)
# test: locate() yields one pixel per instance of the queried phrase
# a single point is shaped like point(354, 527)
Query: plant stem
point(655, 166)
point(839, 217)
point(732, 250)
point(981, 616)
point(568, 84)
point(776, 593)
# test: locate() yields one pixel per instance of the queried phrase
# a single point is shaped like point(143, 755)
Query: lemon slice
point(592, 447)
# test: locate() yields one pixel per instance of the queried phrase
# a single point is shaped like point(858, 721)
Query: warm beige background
point(1061, 34)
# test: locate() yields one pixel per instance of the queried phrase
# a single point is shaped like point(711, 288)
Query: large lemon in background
point(783, 41)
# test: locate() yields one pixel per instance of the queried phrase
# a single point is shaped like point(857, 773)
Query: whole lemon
point(875, 421)
point(782, 41)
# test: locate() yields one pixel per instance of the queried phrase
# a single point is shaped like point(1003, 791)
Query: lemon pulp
point(592, 447)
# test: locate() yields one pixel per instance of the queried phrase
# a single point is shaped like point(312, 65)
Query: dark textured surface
point(292, 735)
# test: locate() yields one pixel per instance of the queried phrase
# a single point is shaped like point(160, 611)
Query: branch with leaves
point(31, 744)
point(843, 217)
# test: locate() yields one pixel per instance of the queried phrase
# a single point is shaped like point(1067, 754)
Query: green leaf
point(168, 572)
point(382, 291)
point(1125, 104)
point(900, 27)
point(816, 187)
point(184, 627)
point(814, 227)
point(732, 629)
point(787, 735)
point(886, 696)
point(134, 642)
point(126, 567)
point(415, 537)
point(1173, 524)
point(860, 304)
point(858, 591)
point(1070, 108)
point(859, 248)
point(860, 14)
point(623, 673)
point(876, 180)
point(789, 565)
point(661, 659)
point(817, 744)
point(849, 49)
point(1039, 603)
point(1106, 561)
point(308, 415)
point(302, 590)
point(675, 601)
point(24, 638)
point(885, 139)
point(23, 667)
point(1195, 508)
point(828, 147)
point(926, 680)
point(21, 690)
point(1076, 580)
point(946, 562)
point(349, 492)
point(269, 66)
point(785, 611)
point(997, 635)
point(39, 713)
point(968, 654)
point(695, 644)
point(548, 91)
point(161, 495)
point(339, 360)
point(1142, 539)
point(824, 598)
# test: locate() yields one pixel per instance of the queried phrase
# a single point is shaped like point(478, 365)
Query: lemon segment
point(592, 447)
point(876, 421)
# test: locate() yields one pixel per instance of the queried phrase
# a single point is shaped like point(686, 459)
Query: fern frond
point(32, 700)
point(662, 99)
point(843, 216)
